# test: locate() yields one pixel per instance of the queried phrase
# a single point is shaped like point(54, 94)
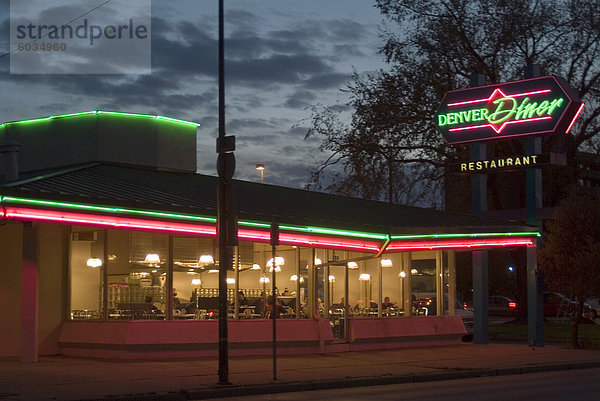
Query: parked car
point(558, 305)
point(501, 306)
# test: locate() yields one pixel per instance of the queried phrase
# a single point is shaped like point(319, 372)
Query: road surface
point(574, 385)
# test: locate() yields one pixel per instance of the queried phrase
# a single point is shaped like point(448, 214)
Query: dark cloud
point(326, 80)
point(346, 30)
point(300, 99)
point(239, 124)
point(248, 140)
point(271, 68)
point(347, 50)
point(276, 69)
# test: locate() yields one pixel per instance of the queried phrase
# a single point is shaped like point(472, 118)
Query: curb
point(260, 389)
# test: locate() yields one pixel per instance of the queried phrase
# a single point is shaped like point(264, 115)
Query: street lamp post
point(226, 223)
point(261, 167)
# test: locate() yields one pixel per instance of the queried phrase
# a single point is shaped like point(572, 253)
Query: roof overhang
point(30, 209)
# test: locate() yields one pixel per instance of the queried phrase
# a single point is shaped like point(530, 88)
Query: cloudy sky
point(281, 57)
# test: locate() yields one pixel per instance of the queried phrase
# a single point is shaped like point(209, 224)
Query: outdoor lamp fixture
point(352, 265)
point(264, 280)
point(196, 281)
point(206, 260)
point(318, 261)
point(364, 277)
point(152, 258)
point(386, 263)
point(94, 262)
point(261, 167)
point(230, 280)
point(294, 277)
point(402, 274)
point(255, 267)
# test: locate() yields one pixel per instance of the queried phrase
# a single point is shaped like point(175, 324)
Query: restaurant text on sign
point(499, 163)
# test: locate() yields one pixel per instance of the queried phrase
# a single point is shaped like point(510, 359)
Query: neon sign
point(536, 106)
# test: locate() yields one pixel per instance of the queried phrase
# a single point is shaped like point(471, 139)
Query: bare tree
point(570, 258)
point(390, 149)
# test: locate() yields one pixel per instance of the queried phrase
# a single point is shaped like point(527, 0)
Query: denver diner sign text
point(536, 106)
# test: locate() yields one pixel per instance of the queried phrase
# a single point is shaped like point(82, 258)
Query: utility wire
point(63, 25)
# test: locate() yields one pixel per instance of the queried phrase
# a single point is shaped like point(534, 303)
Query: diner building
point(108, 249)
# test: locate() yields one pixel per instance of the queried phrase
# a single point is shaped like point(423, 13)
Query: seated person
point(387, 304)
point(242, 300)
point(278, 310)
point(148, 300)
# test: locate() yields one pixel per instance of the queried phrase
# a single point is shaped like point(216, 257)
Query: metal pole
point(274, 243)
point(227, 232)
point(533, 201)
point(274, 314)
point(479, 258)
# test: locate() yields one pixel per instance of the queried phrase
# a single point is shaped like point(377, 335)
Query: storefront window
point(86, 271)
point(136, 275)
point(194, 275)
point(392, 292)
point(140, 279)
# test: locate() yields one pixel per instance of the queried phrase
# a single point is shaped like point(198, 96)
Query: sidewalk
point(59, 378)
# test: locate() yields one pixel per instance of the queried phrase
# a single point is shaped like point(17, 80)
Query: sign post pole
point(479, 258)
point(533, 190)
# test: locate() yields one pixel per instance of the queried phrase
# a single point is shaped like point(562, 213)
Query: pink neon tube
point(459, 243)
point(174, 227)
point(254, 235)
point(106, 221)
point(311, 240)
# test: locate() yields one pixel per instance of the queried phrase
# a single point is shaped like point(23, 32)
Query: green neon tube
point(97, 112)
point(315, 230)
point(105, 209)
point(208, 219)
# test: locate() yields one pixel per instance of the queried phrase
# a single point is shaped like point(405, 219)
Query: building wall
point(131, 139)
point(53, 267)
point(11, 235)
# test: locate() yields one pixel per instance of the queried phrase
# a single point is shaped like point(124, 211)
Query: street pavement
point(62, 378)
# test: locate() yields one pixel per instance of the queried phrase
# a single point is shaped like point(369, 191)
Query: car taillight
point(512, 304)
point(465, 306)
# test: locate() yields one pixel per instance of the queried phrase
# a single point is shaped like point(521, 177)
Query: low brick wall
point(156, 339)
point(392, 333)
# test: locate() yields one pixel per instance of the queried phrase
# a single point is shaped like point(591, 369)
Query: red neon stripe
point(107, 221)
point(310, 240)
point(459, 243)
point(469, 127)
point(575, 118)
point(173, 227)
point(499, 90)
